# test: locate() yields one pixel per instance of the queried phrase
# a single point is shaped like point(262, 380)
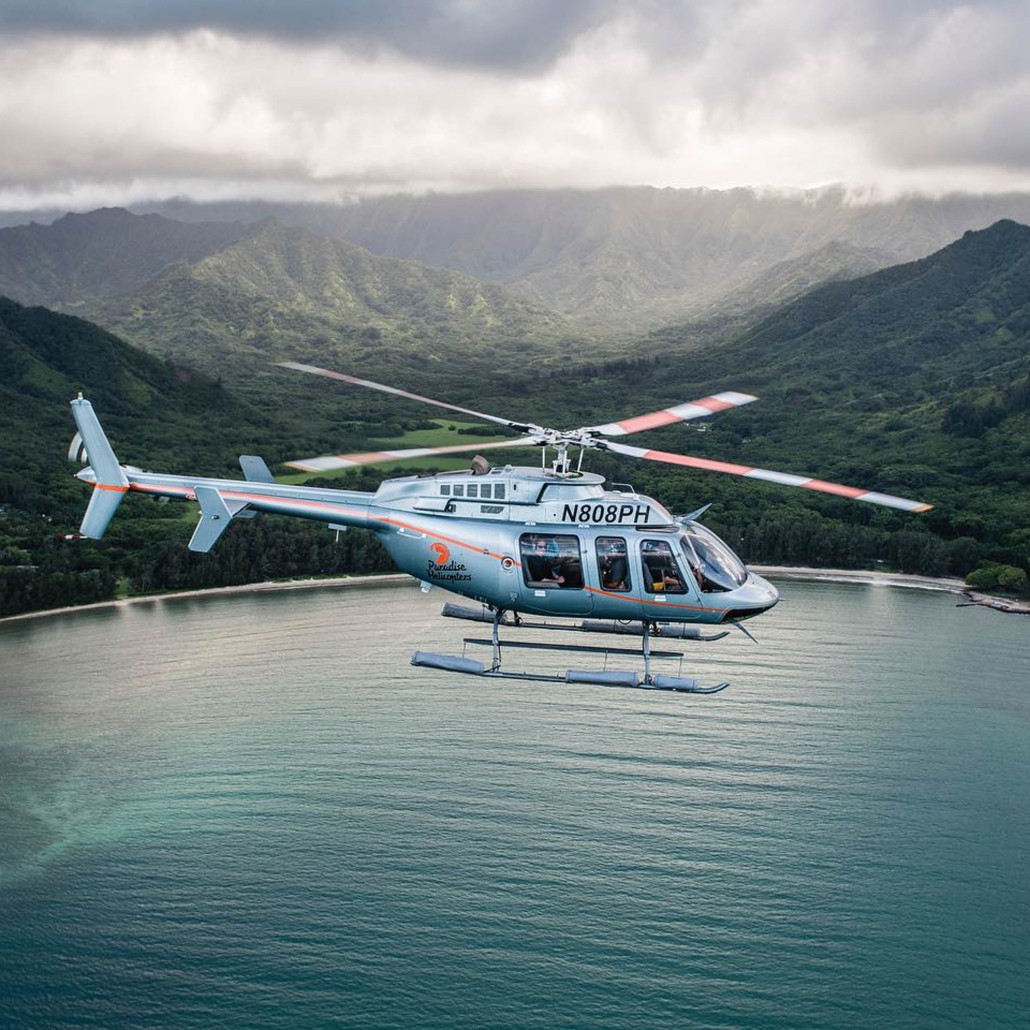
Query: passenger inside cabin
point(540, 561)
point(552, 561)
point(612, 564)
point(663, 575)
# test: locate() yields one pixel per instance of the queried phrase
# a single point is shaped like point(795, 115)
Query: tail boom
point(220, 500)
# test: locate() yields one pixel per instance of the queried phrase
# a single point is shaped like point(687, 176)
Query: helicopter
point(531, 545)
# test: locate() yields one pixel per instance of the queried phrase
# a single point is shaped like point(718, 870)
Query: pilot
point(660, 567)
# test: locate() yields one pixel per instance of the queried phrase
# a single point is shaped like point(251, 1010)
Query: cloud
point(500, 34)
point(122, 102)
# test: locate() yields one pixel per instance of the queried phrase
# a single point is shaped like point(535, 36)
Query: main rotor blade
point(522, 427)
point(784, 478)
point(680, 413)
point(345, 461)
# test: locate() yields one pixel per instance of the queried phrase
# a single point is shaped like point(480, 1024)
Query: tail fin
point(110, 483)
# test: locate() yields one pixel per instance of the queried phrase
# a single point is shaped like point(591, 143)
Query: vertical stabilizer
point(111, 483)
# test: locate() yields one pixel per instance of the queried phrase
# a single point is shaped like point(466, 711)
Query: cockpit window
point(714, 565)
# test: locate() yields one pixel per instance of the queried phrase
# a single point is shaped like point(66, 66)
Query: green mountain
point(160, 415)
point(623, 259)
point(106, 253)
point(912, 380)
point(229, 301)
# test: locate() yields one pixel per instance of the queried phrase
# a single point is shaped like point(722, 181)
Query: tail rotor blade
point(77, 449)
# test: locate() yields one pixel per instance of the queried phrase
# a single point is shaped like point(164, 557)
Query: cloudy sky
point(114, 101)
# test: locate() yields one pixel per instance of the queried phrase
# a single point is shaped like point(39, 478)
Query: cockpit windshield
point(714, 565)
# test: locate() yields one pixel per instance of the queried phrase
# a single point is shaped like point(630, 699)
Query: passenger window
point(498, 491)
point(551, 561)
point(612, 563)
point(473, 490)
point(445, 489)
point(459, 491)
point(661, 572)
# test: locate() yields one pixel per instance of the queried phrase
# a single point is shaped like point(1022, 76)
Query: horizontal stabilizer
point(255, 469)
point(214, 519)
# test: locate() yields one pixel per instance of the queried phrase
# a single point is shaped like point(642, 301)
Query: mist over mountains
point(407, 278)
point(626, 258)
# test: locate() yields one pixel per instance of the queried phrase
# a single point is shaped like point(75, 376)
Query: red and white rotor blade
point(345, 461)
point(681, 413)
point(783, 478)
point(314, 370)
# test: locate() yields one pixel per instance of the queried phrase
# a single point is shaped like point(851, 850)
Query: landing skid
point(602, 677)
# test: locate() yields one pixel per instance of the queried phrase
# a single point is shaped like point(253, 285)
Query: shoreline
point(375, 579)
point(1010, 606)
point(868, 577)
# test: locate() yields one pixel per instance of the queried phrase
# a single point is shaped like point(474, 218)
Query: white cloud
point(760, 92)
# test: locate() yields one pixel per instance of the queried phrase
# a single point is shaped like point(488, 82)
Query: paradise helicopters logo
point(441, 568)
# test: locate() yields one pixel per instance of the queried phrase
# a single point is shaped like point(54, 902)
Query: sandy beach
point(867, 576)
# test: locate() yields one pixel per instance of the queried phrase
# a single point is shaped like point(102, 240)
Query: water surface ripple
point(250, 811)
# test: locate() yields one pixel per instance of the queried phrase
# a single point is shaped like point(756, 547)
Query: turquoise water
point(250, 811)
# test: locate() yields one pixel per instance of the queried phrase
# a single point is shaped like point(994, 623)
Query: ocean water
point(250, 811)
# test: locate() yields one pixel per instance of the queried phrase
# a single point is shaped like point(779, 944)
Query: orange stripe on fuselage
point(630, 596)
point(400, 524)
point(386, 520)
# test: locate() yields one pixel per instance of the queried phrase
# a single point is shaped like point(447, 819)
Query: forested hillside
point(623, 259)
point(227, 300)
point(913, 380)
point(159, 415)
point(108, 253)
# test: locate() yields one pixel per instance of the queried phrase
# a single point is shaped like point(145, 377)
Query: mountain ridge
point(633, 257)
point(224, 298)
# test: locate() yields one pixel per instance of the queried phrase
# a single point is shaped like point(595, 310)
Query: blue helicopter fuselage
point(520, 539)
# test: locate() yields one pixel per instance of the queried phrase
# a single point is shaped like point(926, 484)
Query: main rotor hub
point(561, 441)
